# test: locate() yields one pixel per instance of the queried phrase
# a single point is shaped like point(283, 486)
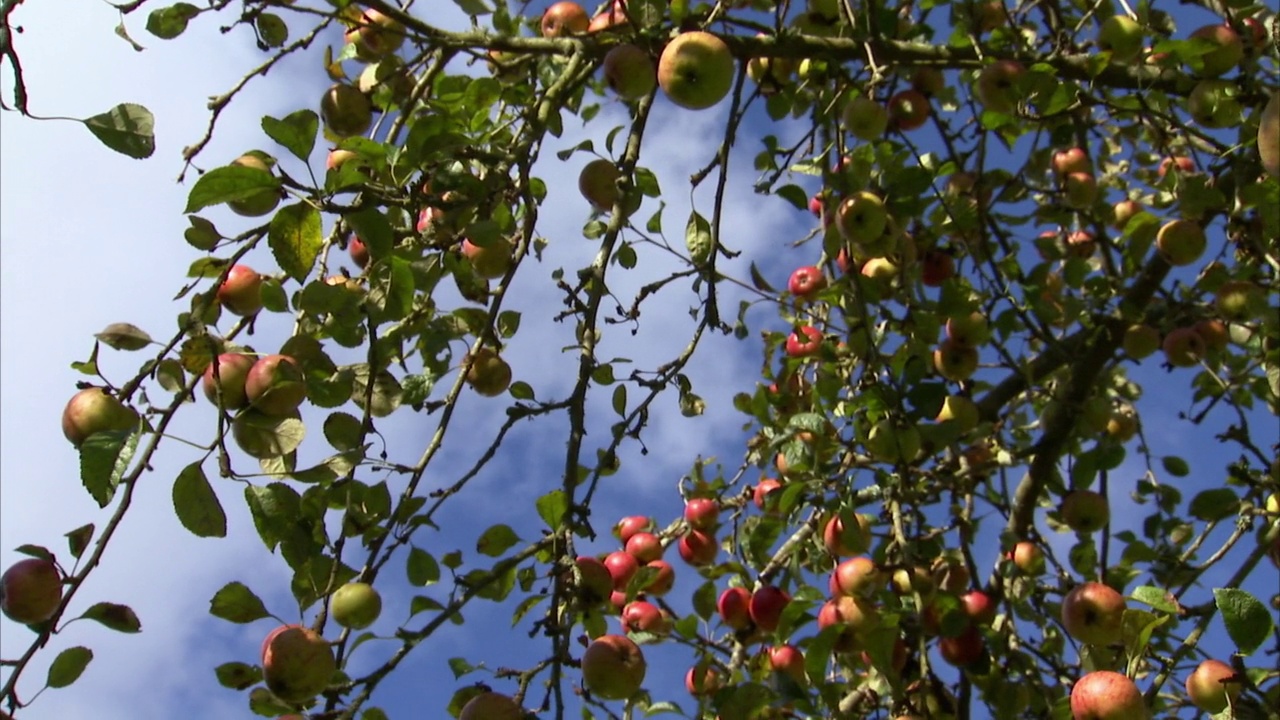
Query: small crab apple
point(241, 292)
point(807, 281)
point(734, 607)
point(487, 373)
point(630, 525)
point(30, 591)
point(613, 667)
point(1213, 685)
point(564, 18)
point(490, 706)
point(644, 547)
point(1085, 511)
point(663, 580)
point(979, 607)
point(297, 663)
point(805, 341)
point(846, 533)
point(698, 548)
point(622, 567)
point(1093, 613)
point(91, 411)
point(355, 605)
point(766, 606)
point(1028, 558)
point(702, 513)
point(1183, 347)
point(1081, 243)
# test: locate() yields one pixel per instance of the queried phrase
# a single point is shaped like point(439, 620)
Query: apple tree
point(1031, 245)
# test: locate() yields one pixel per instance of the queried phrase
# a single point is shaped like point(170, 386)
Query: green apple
point(345, 111)
point(261, 202)
point(893, 443)
point(375, 35)
point(864, 118)
point(487, 373)
point(491, 706)
point(1122, 37)
point(490, 261)
point(92, 411)
point(997, 85)
point(959, 410)
point(1225, 50)
point(1093, 613)
point(1240, 300)
point(696, 70)
point(613, 667)
point(1181, 242)
point(355, 605)
point(1141, 341)
point(598, 183)
point(862, 217)
point(954, 361)
point(1213, 103)
point(1269, 136)
point(1080, 189)
point(630, 72)
point(1086, 511)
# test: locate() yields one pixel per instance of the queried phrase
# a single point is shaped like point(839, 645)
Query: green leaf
point(1175, 466)
point(1247, 620)
point(264, 436)
point(295, 240)
point(228, 183)
point(343, 431)
point(120, 618)
point(124, 336)
point(168, 23)
point(374, 230)
point(1157, 598)
point(496, 540)
point(697, 238)
point(422, 568)
point(473, 7)
point(104, 457)
point(1214, 504)
point(197, 505)
point(236, 603)
point(78, 539)
point(66, 668)
point(391, 290)
point(170, 375)
point(508, 323)
point(620, 399)
point(296, 132)
point(127, 128)
point(460, 666)
point(237, 675)
point(552, 507)
point(272, 30)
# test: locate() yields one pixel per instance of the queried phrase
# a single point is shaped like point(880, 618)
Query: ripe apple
point(997, 87)
point(345, 111)
point(233, 369)
point(261, 202)
point(355, 605)
point(970, 330)
point(862, 217)
point(807, 281)
point(1028, 558)
point(92, 410)
point(857, 576)
point(1085, 511)
point(908, 109)
point(936, 267)
point(847, 533)
point(1224, 53)
point(1071, 160)
point(376, 36)
point(1213, 685)
point(760, 495)
point(1080, 189)
point(613, 667)
point(1093, 613)
point(805, 341)
point(1123, 212)
point(644, 547)
point(766, 606)
point(1141, 341)
point(865, 119)
point(595, 582)
point(629, 71)
point(1181, 242)
point(702, 513)
point(1179, 164)
point(1184, 347)
point(698, 548)
point(275, 385)
point(734, 607)
point(892, 443)
point(358, 251)
point(297, 663)
point(613, 17)
point(1214, 104)
point(644, 616)
point(857, 616)
point(789, 661)
point(964, 649)
point(487, 373)
point(30, 591)
point(491, 706)
point(663, 581)
point(703, 679)
point(564, 18)
point(598, 183)
point(1106, 695)
point(491, 260)
point(622, 567)
point(241, 292)
point(1269, 136)
point(960, 411)
point(1123, 424)
point(954, 361)
point(979, 607)
point(1122, 37)
point(630, 525)
point(696, 70)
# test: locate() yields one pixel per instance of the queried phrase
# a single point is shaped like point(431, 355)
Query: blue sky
point(114, 226)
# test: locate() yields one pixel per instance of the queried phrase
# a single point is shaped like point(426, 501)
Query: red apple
point(564, 18)
point(644, 547)
point(622, 567)
point(1093, 613)
point(698, 548)
point(847, 533)
point(702, 513)
point(766, 607)
point(1071, 160)
point(964, 649)
point(1028, 558)
point(92, 410)
point(1183, 347)
point(613, 667)
point(663, 581)
point(979, 607)
point(1179, 164)
point(630, 525)
point(297, 663)
point(789, 661)
point(908, 109)
point(760, 496)
point(233, 370)
point(359, 252)
point(1213, 685)
point(629, 71)
point(936, 268)
point(275, 385)
point(241, 292)
point(805, 282)
point(805, 341)
point(734, 607)
point(703, 680)
point(856, 576)
point(1106, 695)
point(595, 582)
point(30, 591)
point(644, 616)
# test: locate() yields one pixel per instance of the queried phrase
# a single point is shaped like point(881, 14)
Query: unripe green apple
point(968, 330)
point(630, 72)
point(696, 70)
point(1122, 36)
point(954, 361)
point(91, 411)
point(959, 410)
point(355, 605)
point(1240, 300)
point(862, 217)
point(598, 183)
point(864, 118)
point(1226, 52)
point(613, 667)
point(1213, 103)
point(1141, 341)
point(375, 35)
point(488, 374)
point(30, 591)
point(261, 202)
point(1085, 511)
point(490, 261)
point(892, 443)
point(491, 706)
point(1181, 242)
point(297, 663)
point(1269, 136)
point(1080, 189)
point(345, 111)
